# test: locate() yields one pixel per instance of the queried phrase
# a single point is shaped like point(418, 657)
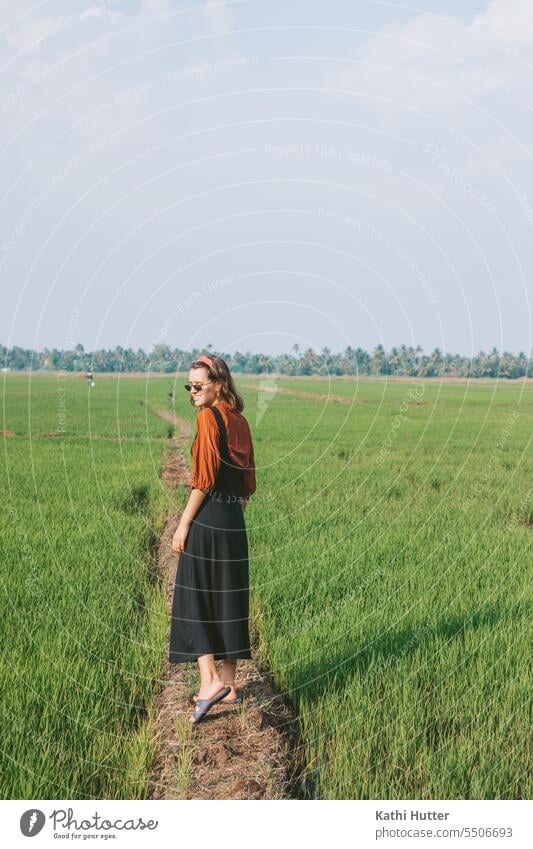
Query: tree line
point(403, 361)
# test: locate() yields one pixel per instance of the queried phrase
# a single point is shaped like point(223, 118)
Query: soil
point(243, 751)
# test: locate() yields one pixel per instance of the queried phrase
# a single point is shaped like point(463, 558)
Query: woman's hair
point(218, 370)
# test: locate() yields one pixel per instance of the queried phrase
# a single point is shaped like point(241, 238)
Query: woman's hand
point(180, 536)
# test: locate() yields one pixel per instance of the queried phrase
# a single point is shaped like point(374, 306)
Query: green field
point(390, 565)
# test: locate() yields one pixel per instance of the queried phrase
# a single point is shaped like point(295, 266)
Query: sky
point(257, 175)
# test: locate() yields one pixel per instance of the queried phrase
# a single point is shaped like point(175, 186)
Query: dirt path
point(245, 751)
point(299, 393)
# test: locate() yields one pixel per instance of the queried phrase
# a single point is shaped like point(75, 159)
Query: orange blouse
point(205, 449)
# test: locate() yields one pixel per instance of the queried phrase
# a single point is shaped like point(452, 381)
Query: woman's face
point(209, 391)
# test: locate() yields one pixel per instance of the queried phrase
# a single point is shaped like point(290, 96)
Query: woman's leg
point(227, 675)
point(210, 683)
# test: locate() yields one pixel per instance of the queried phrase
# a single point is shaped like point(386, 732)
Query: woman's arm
point(206, 463)
point(193, 505)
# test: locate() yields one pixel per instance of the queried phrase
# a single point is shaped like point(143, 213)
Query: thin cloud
point(441, 58)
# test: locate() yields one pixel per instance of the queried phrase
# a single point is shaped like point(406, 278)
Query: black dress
point(211, 593)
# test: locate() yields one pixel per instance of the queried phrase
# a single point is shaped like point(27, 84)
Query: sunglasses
point(197, 386)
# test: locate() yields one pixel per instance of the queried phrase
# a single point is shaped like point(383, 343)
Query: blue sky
point(257, 175)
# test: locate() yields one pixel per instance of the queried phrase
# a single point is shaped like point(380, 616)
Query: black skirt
point(211, 592)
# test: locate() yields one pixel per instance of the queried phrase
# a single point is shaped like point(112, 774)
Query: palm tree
point(379, 360)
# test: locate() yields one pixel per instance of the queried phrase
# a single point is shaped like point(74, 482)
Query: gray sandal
point(235, 701)
point(203, 705)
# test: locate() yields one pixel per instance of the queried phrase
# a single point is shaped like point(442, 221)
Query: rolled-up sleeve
point(248, 483)
point(205, 452)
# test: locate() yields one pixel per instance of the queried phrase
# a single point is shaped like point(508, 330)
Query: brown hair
point(218, 370)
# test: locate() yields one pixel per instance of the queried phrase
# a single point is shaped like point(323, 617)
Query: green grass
point(390, 551)
point(392, 596)
point(84, 621)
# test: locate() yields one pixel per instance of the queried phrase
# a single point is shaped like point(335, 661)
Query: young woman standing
point(211, 593)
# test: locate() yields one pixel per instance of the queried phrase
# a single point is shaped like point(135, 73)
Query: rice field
point(390, 565)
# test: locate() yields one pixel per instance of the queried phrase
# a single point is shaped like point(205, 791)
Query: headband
point(206, 360)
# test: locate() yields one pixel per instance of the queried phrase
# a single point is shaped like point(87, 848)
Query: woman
point(210, 603)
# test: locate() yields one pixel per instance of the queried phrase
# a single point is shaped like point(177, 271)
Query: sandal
point(204, 705)
point(235, 701)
